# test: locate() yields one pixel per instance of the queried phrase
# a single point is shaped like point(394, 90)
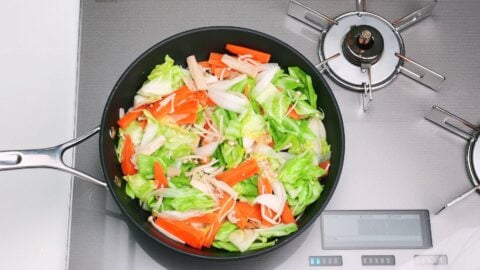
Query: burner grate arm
point(414, 17)
point(420, 73)
point(309, 16)
point(361, 5)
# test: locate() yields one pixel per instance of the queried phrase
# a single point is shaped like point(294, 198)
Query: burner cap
point(361, 38)
point(363, 44)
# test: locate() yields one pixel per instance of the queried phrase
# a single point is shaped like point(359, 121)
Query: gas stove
point(363, 51)
point(399, 169)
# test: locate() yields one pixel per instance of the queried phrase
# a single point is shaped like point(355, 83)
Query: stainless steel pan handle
point(51, 157)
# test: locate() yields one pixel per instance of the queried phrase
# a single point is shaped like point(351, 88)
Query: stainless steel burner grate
point(467, 131)
point(362, 51)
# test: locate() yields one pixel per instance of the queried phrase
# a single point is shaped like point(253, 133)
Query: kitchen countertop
point(38, 70)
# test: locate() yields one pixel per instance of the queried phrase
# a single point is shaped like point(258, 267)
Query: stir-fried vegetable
point(226, 152)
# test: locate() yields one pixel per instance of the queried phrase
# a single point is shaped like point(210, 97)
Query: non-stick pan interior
point(201, 42)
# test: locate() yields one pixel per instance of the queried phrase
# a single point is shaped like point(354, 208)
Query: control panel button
point(325, 261)
point(430, 259)
point(378, 260)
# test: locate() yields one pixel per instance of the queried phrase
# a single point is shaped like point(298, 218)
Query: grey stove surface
point(394, 158)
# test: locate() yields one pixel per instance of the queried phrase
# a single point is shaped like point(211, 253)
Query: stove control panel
point(325, 261)
point(378, 260)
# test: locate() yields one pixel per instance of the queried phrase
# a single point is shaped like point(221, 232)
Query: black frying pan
point(200, 42)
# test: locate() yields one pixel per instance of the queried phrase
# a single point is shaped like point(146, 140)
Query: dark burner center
point(363, 44)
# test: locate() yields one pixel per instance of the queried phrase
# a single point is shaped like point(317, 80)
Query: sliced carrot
point(204, 64)
point(287, 216)
point(243, 171)
point(325, 165)
point(225, 204)
point(245, 211)
point(159, 176)
point(187, 107)
point(202, 98)
point(264, 186)
point(158, 111)
point(258, 56)
point(208, 218)
point(128, 118)
point(215, 59)
point(181, 94)
point(128, 168)
point(184, 118)
point(293, 114)
point(182, 230)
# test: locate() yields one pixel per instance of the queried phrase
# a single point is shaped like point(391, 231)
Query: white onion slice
point(263, 67)
point(265, 77)
point(206, 150)
point(248, 144)
point(269, 200)
point(226, 84)
point(150, 147)
point(231, 101)
point(281, 194)
point(200, 185)
point(209, 79)
point(224, 187)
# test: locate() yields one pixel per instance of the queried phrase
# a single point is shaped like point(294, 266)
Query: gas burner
point(362, 51)
point(467, 131)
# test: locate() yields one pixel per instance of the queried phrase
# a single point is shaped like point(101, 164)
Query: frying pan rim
point(237, 256)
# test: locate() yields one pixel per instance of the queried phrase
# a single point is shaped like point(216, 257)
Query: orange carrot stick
point(187, 107)
point(182, 230)
point(245, 211)
point(208, 218)
point(128, 168)
point(264, 186)
point(159, 176)
point(259, 56)
point(128, 118)
point(215, 59)
point(181, 94)
point(204, 64)
point(243, 171)
point(287, 216)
